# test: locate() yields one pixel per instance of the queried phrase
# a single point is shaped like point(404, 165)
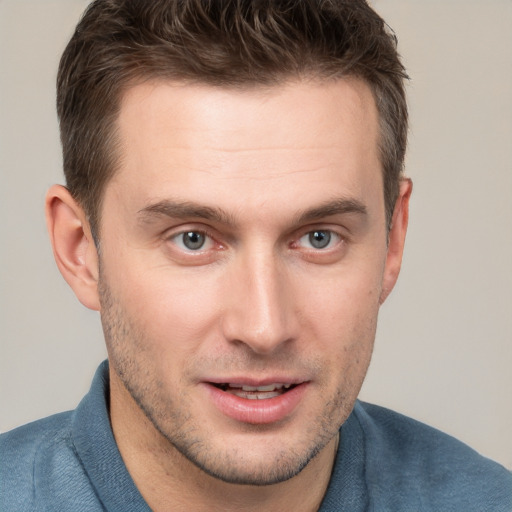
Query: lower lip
point(257, 412)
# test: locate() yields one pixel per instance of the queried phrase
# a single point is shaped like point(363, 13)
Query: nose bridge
point(260, 313)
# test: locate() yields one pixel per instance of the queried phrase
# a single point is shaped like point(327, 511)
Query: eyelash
point(201, 232)
point(331, 234)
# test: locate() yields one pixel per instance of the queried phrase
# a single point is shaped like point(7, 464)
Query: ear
point(73, 246)
point(396, 238)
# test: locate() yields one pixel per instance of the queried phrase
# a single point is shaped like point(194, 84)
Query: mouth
point(257, 402)
point(266, 392)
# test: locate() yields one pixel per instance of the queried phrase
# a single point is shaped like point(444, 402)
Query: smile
point(256, 404)
point(255, 392)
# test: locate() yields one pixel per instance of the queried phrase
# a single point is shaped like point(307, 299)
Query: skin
point(255, 175)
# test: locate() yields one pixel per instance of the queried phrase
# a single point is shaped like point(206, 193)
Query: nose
point(260, 312)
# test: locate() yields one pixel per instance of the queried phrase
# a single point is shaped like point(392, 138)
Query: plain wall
point(444, 345)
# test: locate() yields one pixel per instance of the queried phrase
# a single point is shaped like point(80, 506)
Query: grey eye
point(319, 239)
point(193, 240)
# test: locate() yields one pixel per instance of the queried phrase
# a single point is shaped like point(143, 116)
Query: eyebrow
point(184, 210)
point(187, 210)
point(340, 206)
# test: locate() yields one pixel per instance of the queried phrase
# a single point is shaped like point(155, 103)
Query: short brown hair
point(226, 43)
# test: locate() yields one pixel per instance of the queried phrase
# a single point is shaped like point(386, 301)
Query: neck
point(169, 481)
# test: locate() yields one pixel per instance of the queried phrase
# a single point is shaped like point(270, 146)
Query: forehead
point(247, 144)
point(241, 114)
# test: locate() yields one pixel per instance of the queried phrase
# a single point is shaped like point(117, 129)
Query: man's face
point(243, 249)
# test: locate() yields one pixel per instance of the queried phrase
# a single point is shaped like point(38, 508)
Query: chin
point(235, 469)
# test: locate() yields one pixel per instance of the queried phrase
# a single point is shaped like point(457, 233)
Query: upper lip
point(256, 382)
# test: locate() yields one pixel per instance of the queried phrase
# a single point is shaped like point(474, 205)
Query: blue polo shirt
point(385, 462)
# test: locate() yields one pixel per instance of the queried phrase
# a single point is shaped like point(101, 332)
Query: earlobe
point(73, 246)
point(396, 241)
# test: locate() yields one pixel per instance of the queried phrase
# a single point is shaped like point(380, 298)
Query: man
point(236, 210)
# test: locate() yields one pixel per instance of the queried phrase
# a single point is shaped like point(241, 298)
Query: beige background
point(444, 348)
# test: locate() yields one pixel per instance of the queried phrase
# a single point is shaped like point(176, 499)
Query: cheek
point(346, 299)
point(173, 308)
point(341, 317)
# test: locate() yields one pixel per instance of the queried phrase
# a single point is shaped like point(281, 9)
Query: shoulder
point(21, 447)
point(29, 436)
point(432, 470)
point(37, 460)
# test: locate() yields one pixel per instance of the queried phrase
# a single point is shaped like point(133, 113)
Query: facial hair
point(132, 358)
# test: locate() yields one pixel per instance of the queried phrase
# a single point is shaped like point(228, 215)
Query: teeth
point(270, 387)
point(256, 392)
